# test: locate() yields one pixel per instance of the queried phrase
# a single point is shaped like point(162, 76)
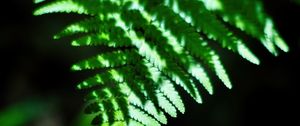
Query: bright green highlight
point(244, 51)
point(213, 4)
point(38, 1)
point(61, 6)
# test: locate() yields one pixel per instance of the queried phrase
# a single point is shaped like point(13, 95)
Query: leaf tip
point(76, 68)
point(247, 54)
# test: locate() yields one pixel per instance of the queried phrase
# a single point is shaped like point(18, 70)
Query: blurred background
point(37, 87)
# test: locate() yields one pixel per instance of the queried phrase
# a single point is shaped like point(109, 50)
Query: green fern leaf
point(114, 38)
point(142, 117)
point(157, 44)
point(253, 21)
point(169, 91)
point(112, 59)
point(61, 6)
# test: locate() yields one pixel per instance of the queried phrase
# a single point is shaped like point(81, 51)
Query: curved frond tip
point(63, 6)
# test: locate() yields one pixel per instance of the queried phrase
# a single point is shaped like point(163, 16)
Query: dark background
point(34, 67)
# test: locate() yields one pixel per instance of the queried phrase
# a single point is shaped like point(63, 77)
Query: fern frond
point(168, 90)
point(189, 39)
point(193, 13)
point(87, 26)
point(158, 44)
point(101, 79)
point(135, 123)
point(149, 107)
point(115, 38)
point(158, 115)
point(250, 17)
point(87, 7)
point(142, 117)
point(165, 104)
point(108, 60)
point(65, 6)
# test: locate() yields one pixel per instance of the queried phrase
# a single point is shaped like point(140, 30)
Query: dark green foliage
point(296, 1)
point(158, 44)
